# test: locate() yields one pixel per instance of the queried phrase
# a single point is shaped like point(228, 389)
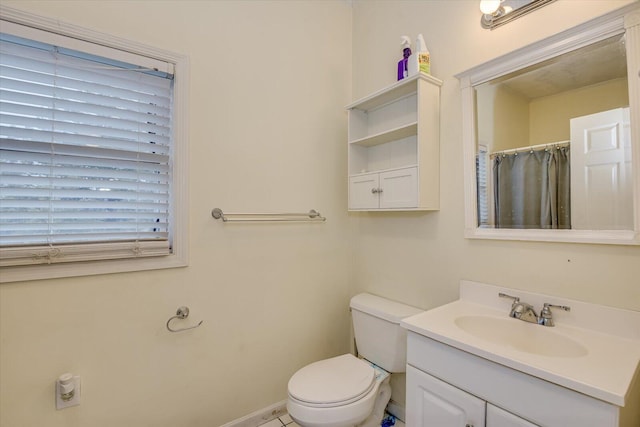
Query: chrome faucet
point(521, 310)
point(546, 317)
point(526, 312)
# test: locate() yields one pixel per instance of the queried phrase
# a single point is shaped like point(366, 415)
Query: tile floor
point(285, 420)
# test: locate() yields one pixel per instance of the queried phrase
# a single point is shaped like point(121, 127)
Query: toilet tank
point(379, 337)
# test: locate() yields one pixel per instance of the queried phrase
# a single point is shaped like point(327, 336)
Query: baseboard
point(396, 410)
point(260, 416)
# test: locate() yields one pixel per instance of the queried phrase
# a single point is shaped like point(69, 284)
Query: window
point(88, 151)
point(482, 179)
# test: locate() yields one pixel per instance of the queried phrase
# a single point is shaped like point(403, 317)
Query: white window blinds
point(85, 156)
point(482, 179)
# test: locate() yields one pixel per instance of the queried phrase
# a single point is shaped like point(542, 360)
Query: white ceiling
point(584, 67)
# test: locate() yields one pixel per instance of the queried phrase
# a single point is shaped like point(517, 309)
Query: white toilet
point(346, 391)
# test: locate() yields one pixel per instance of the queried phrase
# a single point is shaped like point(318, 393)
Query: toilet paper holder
point(181, 313)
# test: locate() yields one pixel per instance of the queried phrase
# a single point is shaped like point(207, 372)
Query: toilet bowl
point(339, 392)
point(347, 391)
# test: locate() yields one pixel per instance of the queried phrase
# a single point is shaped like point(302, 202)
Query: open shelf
point(388, 136)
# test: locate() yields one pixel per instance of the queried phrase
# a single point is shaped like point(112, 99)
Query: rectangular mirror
point(551, 137)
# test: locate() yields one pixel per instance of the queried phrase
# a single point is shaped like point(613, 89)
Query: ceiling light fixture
point(488, 7)
point(499, 12)
point(491, 9)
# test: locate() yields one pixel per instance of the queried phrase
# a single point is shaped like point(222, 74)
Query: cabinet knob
point(374, 190)
point(469, 425)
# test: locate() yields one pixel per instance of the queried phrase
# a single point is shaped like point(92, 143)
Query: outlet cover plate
point(75, 400)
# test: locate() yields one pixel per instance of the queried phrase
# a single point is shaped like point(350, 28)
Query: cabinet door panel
point(399, 188)
point(431, 402)
point(360, 194)
point(497, 417)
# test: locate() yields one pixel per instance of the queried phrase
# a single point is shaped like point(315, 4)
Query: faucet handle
point(515, 299)
point(546, 318)
point(547, 306)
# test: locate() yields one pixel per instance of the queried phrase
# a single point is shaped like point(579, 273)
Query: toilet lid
point(338, 380)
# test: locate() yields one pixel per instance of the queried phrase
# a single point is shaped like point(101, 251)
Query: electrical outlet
point(72, 382)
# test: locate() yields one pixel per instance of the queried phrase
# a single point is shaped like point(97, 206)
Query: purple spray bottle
point(405, 41)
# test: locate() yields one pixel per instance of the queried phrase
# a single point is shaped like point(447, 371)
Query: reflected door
point(601, 178)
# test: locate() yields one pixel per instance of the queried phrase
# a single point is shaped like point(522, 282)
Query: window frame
point(179, 196)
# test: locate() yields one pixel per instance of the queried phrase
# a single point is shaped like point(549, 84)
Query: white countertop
point(605, 372)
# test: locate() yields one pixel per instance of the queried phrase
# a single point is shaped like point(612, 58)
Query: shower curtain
point(532, 189)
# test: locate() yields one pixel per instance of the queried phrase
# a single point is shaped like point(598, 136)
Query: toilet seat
point(333, 382)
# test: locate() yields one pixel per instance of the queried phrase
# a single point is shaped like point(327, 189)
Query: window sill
point(89, 268)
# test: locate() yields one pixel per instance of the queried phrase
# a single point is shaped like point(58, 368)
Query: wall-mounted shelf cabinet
point(394, 147)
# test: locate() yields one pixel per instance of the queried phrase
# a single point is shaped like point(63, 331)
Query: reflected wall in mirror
point(551, 137)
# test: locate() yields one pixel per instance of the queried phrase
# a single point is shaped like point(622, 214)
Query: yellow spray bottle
point(419, 61)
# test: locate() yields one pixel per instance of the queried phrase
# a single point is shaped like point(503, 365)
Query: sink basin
point(520, 335)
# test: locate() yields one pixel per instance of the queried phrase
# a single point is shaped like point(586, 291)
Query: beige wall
point(507, 119)
point(269, 82)
point(420, 258)
point(511, 119)
point(268, 132)
point(485, 96)
point(550, 115)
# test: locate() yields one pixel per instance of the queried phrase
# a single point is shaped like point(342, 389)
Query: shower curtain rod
point(531, 148)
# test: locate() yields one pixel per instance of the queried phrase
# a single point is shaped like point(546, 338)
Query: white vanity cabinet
point(446, 387)
point(497, 417)
point(394, 147)
point(432, 402)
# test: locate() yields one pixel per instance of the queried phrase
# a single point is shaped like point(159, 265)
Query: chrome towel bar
point(311, 216)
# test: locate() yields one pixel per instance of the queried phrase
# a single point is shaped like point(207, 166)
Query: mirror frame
point(622, 21)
